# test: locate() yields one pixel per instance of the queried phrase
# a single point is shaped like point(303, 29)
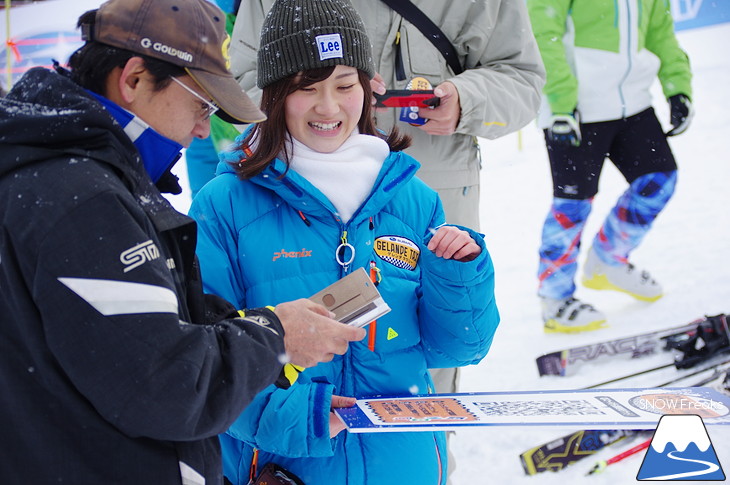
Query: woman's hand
point(336, 424)
point(450, 242)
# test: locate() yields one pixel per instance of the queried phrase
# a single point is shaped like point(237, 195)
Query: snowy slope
point(688, 252)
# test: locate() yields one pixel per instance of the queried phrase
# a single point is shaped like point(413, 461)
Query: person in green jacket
point(601, 58)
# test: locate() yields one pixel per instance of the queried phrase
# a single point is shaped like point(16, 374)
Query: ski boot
point(570, 315)
point(626, 278)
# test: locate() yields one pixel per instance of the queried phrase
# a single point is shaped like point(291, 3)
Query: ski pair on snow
point(696, 341)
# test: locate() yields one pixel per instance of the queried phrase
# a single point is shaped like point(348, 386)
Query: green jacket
point(602, 56)
point(499, 91)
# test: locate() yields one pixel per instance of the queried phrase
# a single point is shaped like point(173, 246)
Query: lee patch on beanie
point(329, 46)
point(298, 35)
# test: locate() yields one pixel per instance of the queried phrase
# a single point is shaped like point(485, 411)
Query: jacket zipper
point(400, 70)
point(629, 52)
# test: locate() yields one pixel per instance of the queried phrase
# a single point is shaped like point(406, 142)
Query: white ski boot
point(626, 278)
point(570, 315)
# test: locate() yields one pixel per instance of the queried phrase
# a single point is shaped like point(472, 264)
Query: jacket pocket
point(422, 57)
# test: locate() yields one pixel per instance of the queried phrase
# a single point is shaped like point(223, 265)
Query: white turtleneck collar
point(345, 176)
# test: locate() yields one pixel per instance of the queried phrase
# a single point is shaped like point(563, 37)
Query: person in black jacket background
point(115, 368)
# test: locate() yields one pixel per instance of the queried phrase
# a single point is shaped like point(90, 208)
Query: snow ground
point(688, 251)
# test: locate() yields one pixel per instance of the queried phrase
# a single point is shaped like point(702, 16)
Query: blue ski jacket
point(275, 238)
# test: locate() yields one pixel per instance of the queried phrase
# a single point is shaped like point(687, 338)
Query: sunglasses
point(210, 108)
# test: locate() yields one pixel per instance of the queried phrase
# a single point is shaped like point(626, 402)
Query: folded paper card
point(353, 299)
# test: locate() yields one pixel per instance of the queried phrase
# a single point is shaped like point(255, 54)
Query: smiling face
point(324, 114)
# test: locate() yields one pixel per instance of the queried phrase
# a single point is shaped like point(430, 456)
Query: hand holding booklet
point(353, 299)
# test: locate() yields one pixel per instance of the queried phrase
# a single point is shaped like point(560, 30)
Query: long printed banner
point(586, 409)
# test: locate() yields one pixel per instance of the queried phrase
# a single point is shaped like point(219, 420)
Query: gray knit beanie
point(298, 35)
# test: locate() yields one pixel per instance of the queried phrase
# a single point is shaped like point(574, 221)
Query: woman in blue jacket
point(310, 195)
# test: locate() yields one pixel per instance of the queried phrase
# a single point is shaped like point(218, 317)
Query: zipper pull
point(340, 253)
point(304, 218)
point(400, 70)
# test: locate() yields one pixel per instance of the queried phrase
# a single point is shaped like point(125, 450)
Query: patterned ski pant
point(622, 231)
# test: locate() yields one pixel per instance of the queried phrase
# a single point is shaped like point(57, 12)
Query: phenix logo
point(304, 253)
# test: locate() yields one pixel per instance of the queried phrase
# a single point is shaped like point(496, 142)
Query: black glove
point(564, 130)
point(681, 113)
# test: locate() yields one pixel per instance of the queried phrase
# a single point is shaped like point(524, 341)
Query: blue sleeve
point(290, 422)
point(216, 247)
point(457, 310)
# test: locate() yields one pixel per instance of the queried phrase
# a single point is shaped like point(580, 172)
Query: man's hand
point(564, 130)
point(443, 119)
point(336, 424)
point(681, 114)
point(450, 242)
point(377, 84)
point(311, 335)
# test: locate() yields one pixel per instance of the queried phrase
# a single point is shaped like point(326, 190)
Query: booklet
point(353, 299)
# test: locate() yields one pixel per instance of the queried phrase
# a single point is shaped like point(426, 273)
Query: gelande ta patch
point(398, 251)
point(329, 46)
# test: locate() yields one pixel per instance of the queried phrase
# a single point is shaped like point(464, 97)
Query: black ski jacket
point(111, 368)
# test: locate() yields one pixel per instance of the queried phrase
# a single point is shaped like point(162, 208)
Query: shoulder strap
point(429, 29)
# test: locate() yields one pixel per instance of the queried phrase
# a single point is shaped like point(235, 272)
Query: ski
point(710, 364)
point(565, 362)
point(712, 328)
point(566, 450)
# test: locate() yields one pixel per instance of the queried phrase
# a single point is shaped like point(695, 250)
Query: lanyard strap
point(429, 29)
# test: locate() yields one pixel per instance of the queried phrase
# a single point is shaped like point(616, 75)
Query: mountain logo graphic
point(681, 450)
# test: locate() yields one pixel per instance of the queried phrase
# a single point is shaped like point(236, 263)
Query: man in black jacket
point(115, 368)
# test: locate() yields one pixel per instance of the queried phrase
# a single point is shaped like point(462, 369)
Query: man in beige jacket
point(498, 93)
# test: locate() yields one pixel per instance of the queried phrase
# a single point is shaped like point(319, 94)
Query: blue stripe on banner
point(690, 14)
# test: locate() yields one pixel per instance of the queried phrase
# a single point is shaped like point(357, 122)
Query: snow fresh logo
point(670, 403)
point(681, 450)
